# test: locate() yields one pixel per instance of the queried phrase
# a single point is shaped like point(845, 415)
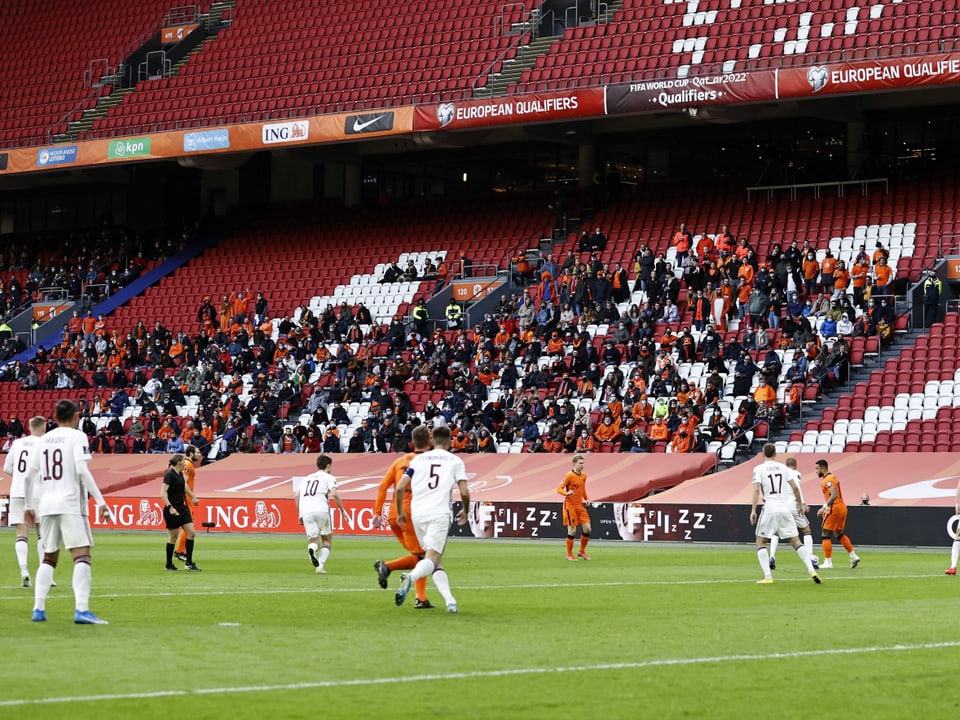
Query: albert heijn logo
point(296, 131)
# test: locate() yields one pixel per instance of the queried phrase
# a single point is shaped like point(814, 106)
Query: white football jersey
point(53, 467)
point(18, 462)
point(313, 492)
point(797, 477)
point(773, 478)
point(433, 475)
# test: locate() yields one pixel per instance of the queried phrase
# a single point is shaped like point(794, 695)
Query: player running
point(313, 506)
point(781, 497)
point(431, 477)
point(574, 491)
point(405, 535)
point(834, 514)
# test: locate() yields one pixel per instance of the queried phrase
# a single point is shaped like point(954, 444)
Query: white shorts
point(800, 519)
point(71, 530)
point(432, 532)
point(316, 524)
point(777, 522)
point(15, 511)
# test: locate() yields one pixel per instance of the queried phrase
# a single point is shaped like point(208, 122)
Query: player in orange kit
point(406, 535)
point(834, 514)
point(193, 458)
point(574, 491)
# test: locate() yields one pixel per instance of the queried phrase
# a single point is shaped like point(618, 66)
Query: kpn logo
point(128, 147)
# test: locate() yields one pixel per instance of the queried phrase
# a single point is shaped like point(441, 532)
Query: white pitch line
point(522, 586)
point(481, 674)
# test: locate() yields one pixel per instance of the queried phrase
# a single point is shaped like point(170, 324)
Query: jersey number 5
point(434, 477)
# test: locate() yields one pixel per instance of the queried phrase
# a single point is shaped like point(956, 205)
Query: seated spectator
point(659, 431)
point(585, 443)
point(175, 444)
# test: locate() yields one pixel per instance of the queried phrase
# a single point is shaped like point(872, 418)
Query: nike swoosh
point(361, 126)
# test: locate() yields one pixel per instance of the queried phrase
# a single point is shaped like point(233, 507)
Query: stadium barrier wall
point(625, 521)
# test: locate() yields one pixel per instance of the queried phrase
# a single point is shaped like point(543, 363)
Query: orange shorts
point(575, 515)
point(407, 536)
point(836, 520)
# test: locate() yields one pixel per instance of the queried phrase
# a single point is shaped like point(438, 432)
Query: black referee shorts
point(174, 521)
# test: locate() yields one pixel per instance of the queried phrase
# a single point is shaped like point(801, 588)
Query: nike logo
point(361, 126)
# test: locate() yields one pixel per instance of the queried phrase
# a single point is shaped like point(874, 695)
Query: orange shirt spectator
point(607, 431)
point(811, 268)
point(858, 276)
point(747, 273)
point(829, 265)
point(586, 443)
point(682, 441)
point(764, 393)
point(882, 274)
point(841, 279)
point(705, 248)
point(659, 431)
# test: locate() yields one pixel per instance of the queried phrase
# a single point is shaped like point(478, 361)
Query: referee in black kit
point(176, 512)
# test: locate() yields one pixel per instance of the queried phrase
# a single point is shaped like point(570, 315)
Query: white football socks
point(955, 553)
point(324, 554)
point(423, 569)
point(22, 547)
point(82, 580)
point(774, 541)
point(41, 586)
point(442, 582)
point(763, 557)
point(805, 555)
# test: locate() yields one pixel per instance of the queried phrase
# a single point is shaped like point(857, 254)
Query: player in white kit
point(16, 464)
point(800, 517)
point(431, 478)
point(60, 482)
point(781, 498)
point(313, 505)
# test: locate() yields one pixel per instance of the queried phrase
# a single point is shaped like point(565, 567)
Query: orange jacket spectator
point(642, 410)
point(607, 431)
point(764, 393)
point(746, 273)
point(705, 248)
point(586, 443)
point(486, 375)
point(552, 445)
point(682, 441)
point(615, 408)
point(810, 268)
point(658, 431)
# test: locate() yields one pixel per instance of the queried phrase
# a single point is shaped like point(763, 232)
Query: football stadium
point(679, 280)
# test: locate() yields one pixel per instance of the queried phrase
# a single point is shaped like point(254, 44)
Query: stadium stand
point(45, 68)
point(388, 53)
point(646, 40)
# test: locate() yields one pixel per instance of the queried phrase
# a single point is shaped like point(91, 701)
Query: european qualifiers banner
point(869, 76)
point(509, 110)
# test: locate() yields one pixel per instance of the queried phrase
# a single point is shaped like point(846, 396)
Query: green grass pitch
point(641, 631)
